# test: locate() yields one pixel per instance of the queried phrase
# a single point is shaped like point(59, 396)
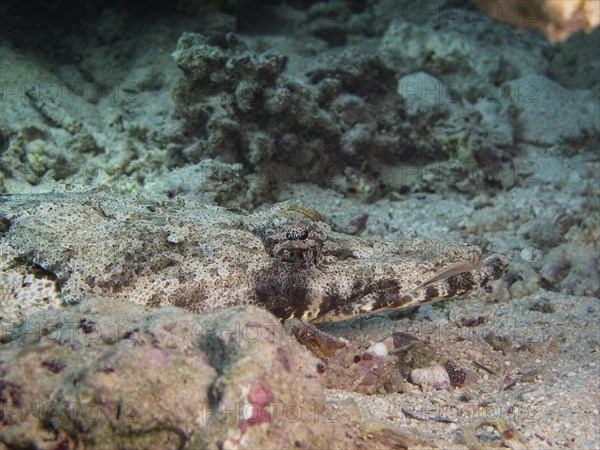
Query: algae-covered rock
point(465, 135)
point(110, 374)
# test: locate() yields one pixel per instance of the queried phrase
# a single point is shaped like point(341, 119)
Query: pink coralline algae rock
point(259, 397)
point(433, 377)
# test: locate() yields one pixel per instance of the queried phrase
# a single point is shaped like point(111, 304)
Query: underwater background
point(395, 120)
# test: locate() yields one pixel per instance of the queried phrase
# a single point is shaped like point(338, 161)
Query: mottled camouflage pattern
point(284, 259)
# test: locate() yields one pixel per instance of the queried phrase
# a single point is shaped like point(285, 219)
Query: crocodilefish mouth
point(454, 280)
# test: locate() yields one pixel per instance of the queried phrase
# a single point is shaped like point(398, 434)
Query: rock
point(574, 59)
point(432, 377)
point(414, 355)
point(458, 120)
point(470, 62)
point(548, 114)
point(572, 268)
point(420, 90)
point(346, 365)
point(504, 344)
point(458, 375)
point(378, 349)
point(113, 372)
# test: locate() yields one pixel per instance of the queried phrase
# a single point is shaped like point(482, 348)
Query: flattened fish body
point(285, 259)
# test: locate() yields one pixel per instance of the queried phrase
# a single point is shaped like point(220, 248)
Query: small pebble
point(434, 377)
point(378, 349)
